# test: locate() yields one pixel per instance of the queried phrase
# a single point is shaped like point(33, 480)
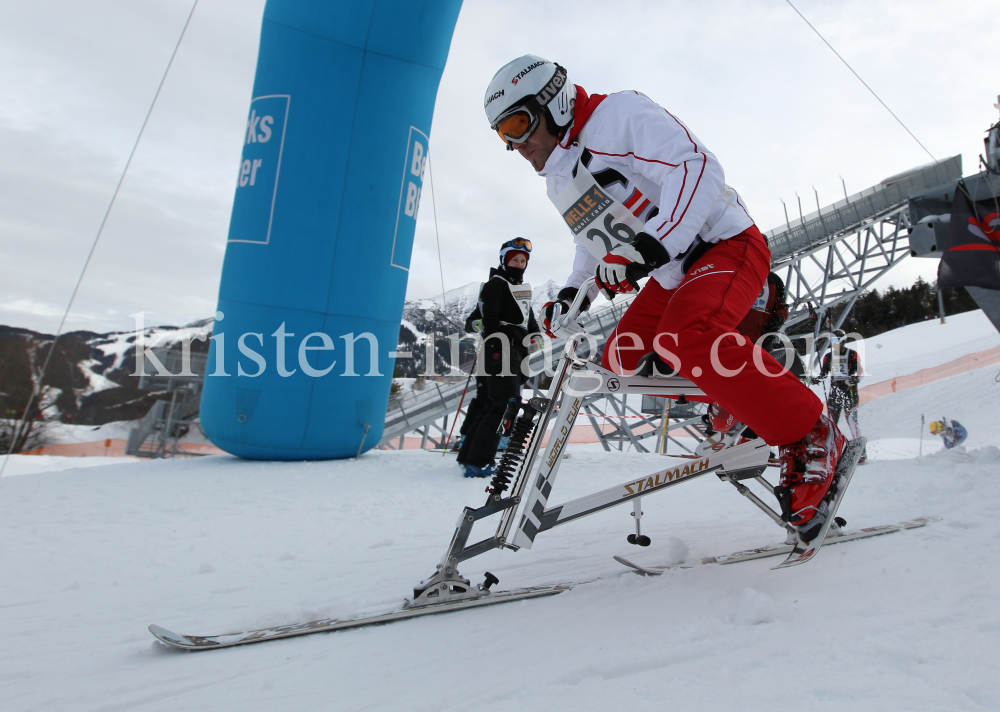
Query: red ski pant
point(694, 326)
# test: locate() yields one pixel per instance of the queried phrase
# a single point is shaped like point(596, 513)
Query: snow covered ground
point(926, 344)
point(908, 621)
point(36, 464)
point(64, 434)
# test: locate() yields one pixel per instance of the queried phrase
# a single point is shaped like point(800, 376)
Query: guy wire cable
point(37, 387)
point(861, 80)
point(437, 238)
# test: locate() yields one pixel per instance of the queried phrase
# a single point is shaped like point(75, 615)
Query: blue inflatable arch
point(322, 227)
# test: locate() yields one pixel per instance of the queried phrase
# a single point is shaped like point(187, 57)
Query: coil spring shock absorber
point(518, 429)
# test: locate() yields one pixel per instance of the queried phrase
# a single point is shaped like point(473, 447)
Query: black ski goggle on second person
point(518, 243)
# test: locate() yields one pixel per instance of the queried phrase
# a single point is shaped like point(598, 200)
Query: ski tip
point(799, 556)
point(641, 570)
point(625, 562)
point(170, 638)
point(918, 522)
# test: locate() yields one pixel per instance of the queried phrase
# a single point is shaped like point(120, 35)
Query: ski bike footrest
point(748, 473)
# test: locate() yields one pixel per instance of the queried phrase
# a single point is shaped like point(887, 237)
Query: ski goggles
point(518, 243)
point(516, 126)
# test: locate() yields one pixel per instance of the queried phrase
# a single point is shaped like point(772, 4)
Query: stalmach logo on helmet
point(520, 75)
point(494, 97)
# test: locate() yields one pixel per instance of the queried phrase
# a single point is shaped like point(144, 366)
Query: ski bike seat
point(652, 365)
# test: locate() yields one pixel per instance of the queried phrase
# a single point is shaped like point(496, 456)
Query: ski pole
point(460, 402)
point(921, 435)
point(826, 396)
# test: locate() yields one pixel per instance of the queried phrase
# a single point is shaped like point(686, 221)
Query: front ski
point(228, 640)
point(763, 552)
point(805, 551)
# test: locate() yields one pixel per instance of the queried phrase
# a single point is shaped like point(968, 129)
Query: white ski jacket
point(648, 160)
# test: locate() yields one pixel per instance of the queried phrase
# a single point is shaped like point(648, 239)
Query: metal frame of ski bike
point(525, 463)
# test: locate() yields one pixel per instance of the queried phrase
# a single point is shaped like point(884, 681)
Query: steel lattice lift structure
point(830, 256)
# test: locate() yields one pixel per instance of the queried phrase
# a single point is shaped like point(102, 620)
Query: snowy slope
point(35, 464)
point(905, 622)
point(119, 343)
point(926, 344)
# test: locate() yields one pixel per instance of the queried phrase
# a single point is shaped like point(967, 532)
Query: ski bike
point(525, 480)
point(527, 470)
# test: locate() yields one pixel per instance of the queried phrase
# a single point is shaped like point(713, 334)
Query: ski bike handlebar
point(576, 307)
point(562, 321)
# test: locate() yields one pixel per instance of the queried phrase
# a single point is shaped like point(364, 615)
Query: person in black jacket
point(843, 366)
point(507, 327)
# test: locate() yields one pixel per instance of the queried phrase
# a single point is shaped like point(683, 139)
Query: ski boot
point(722, 431)
point(807, 477)
point(722, 420)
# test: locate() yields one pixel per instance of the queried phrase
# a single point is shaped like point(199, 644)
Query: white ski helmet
point(520, 91)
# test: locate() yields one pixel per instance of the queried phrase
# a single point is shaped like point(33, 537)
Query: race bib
point(599, 222)
point(839, 370)
point(522, 295)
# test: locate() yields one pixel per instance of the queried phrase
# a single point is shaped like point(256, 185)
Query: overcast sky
point(749, 78)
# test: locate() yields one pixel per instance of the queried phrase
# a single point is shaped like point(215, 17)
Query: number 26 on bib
point(599, 222)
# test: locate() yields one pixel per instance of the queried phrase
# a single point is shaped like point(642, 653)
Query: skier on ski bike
point(690, 233)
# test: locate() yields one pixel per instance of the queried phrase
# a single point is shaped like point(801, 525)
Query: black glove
point(564, 299)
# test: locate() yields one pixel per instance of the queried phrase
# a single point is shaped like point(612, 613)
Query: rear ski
point(764, 552)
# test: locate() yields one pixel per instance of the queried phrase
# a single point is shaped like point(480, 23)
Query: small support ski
point(763, 552)
point(639, 569)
